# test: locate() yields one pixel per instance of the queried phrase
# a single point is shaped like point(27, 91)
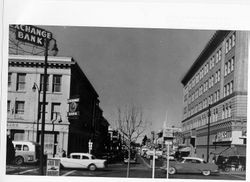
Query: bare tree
point(131, 125)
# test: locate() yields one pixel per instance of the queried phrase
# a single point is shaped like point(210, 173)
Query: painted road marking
point(23, 172)
point(68, 173)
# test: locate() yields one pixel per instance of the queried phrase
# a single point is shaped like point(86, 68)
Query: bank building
point(65, 81)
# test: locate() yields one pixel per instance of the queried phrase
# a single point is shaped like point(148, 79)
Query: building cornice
point(213, 43)
point(38, 61)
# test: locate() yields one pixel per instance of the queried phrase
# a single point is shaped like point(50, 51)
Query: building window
point(55, 111)
point(19, 109)
point(233, 40)
point(229, 66)
point(230, 43)
point(231, 87)
point(226, 111)
point(215, 78)
point(218, 95)
point(228, 89)
point(9, 79)
point(217, 57)
point(57, 79)
point(232, 64)
point(220, 54)
point(41, 110)
point(42, 81)
point(218, 75)
point(227, 46)
point(229, 111)
point(8, 106)
point(223, 112)
point(21, 81)
point(225, 69)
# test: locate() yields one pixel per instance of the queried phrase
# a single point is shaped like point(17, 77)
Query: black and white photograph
point(124, 102)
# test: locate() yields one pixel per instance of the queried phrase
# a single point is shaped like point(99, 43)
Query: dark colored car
point(133, 158)
point(192, 165)
point(230, 162)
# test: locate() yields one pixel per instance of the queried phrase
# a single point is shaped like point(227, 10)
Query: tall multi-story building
point(215, 92)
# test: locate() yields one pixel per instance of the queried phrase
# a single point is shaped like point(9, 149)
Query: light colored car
point(26, 152)
point(150, 153)
point(191, 165)
point(83, 160)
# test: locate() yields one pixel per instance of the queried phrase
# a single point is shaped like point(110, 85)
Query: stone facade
point(217, 83)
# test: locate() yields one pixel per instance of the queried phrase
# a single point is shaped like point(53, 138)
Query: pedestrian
point(64, 153)
point(214, 159)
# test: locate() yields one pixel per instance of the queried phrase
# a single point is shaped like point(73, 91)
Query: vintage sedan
point(83, 160)
point(191, 165)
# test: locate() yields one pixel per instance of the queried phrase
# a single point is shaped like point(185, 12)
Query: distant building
point(217, 78)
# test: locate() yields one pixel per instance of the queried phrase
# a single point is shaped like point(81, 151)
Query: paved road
point(140, 170)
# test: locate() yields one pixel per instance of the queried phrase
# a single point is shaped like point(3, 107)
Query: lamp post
point(34, 88)
point(44, 100)
point(54, 133)
point(208, 132)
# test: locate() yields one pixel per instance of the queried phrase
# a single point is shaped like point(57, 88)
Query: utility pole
point(208, 131)
point(43, 106)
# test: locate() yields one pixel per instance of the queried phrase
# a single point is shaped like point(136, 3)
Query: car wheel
point(92, 167)
point(206, 172)
point(171, 170)
point(19, 160)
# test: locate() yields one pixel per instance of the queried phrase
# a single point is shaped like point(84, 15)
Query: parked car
point(133, 158)
point(26, 152)
point(83, 160)
point(150, 153)
point(171, 157)
point(231, 162)
point(144, 152)
point(191, 165)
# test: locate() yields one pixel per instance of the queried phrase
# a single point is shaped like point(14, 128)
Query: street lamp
point(54, 133)
point(208, 131)
point(44, 99)
point(34, 88)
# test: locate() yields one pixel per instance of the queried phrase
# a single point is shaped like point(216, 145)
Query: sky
point(138, 66)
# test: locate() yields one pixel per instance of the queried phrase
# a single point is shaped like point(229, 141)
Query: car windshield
point(182, 159)
point(93, 157)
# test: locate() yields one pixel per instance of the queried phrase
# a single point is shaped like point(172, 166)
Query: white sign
point(90, 144)
point(32, 34)
point(53, 167)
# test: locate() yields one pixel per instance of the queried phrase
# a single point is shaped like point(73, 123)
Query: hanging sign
point(32, 34)
point(73, 108)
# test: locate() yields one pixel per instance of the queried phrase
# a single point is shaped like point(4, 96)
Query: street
point(139, 170)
